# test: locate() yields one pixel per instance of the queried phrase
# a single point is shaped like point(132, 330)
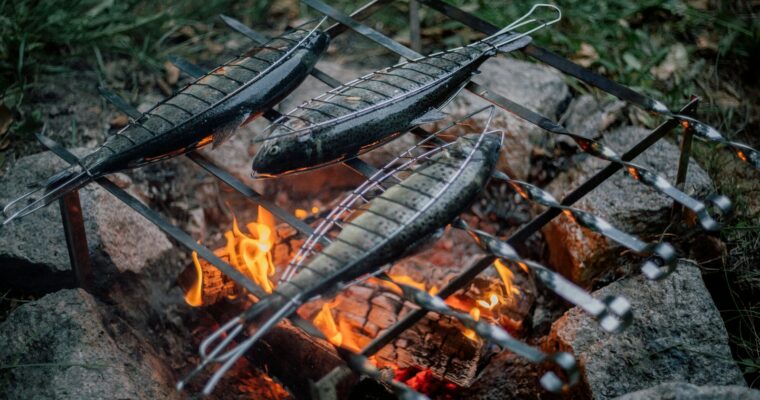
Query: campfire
point(431, 312)
point(353, 318)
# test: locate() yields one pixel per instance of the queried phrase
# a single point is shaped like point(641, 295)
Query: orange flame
point(469, 333)
point(253, 252)
point(194, 295)
point(338, 334)
point(301, 213)
point(507, 277)
point(250, 253)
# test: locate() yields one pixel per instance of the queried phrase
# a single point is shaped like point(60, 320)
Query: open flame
point(194, 295)
point(492, 301)
point(250, 253)
point(338, 334)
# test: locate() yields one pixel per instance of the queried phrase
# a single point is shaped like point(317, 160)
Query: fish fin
point(225, 132)
point(52, 189)
point(432, 115)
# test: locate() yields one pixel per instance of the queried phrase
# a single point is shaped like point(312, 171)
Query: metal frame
point(72, 213)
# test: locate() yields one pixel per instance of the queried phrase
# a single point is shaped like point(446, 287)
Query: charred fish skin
point(385, 228)
point(241, 90)
point(368, 113)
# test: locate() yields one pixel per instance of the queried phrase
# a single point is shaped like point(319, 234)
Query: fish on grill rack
point(206, 111)
point(438, 186)
point(371, 110)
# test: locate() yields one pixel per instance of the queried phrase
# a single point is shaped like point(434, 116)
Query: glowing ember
point(301, 213)
point(405, 280)
point(741, 155)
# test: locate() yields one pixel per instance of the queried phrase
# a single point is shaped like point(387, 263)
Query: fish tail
point(51, 188)
point(508, 38)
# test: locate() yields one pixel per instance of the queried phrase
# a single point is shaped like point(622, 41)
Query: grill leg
point(76, 239)
point(683, 162)
point(414, 25)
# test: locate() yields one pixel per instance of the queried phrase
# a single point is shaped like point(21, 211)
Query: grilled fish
point(206, 111)
point(432, 196)
point(371, 110)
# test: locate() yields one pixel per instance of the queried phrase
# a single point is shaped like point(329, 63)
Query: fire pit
point(439, 354)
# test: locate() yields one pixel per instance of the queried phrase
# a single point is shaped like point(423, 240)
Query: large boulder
point(582, 255)
point(676, 335)
point(66, 346)
point(535, 86)
point(33, 252)
point(686, 391)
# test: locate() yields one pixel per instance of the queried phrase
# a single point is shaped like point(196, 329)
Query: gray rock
point(588, 116)
point(33, 253)
point(63, 346)
point(676, 335)
point(534, 86)
point(583, 255)
point(686, 391)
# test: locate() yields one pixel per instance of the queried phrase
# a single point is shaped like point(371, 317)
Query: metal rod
point(76, 240)
point(414, 26)
point(525, 232)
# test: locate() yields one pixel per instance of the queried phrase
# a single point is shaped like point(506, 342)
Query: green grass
point(57, 37)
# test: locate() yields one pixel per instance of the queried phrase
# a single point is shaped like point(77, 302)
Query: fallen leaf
point(6, 119)
point(172, 73)
point(725, 100)
point(214, 47)
point(676, 60)
point(187, 31)
point(164, 87)
point(119, 121)
point(632, 62)
point(699, 4)
point(586, 55)
point(706, 42)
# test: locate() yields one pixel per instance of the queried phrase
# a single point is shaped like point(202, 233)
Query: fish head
point(319, 41)
point(488, 144)
point(491, 143)
point(280, 156)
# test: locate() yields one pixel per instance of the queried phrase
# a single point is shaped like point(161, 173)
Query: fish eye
point(274, 150)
